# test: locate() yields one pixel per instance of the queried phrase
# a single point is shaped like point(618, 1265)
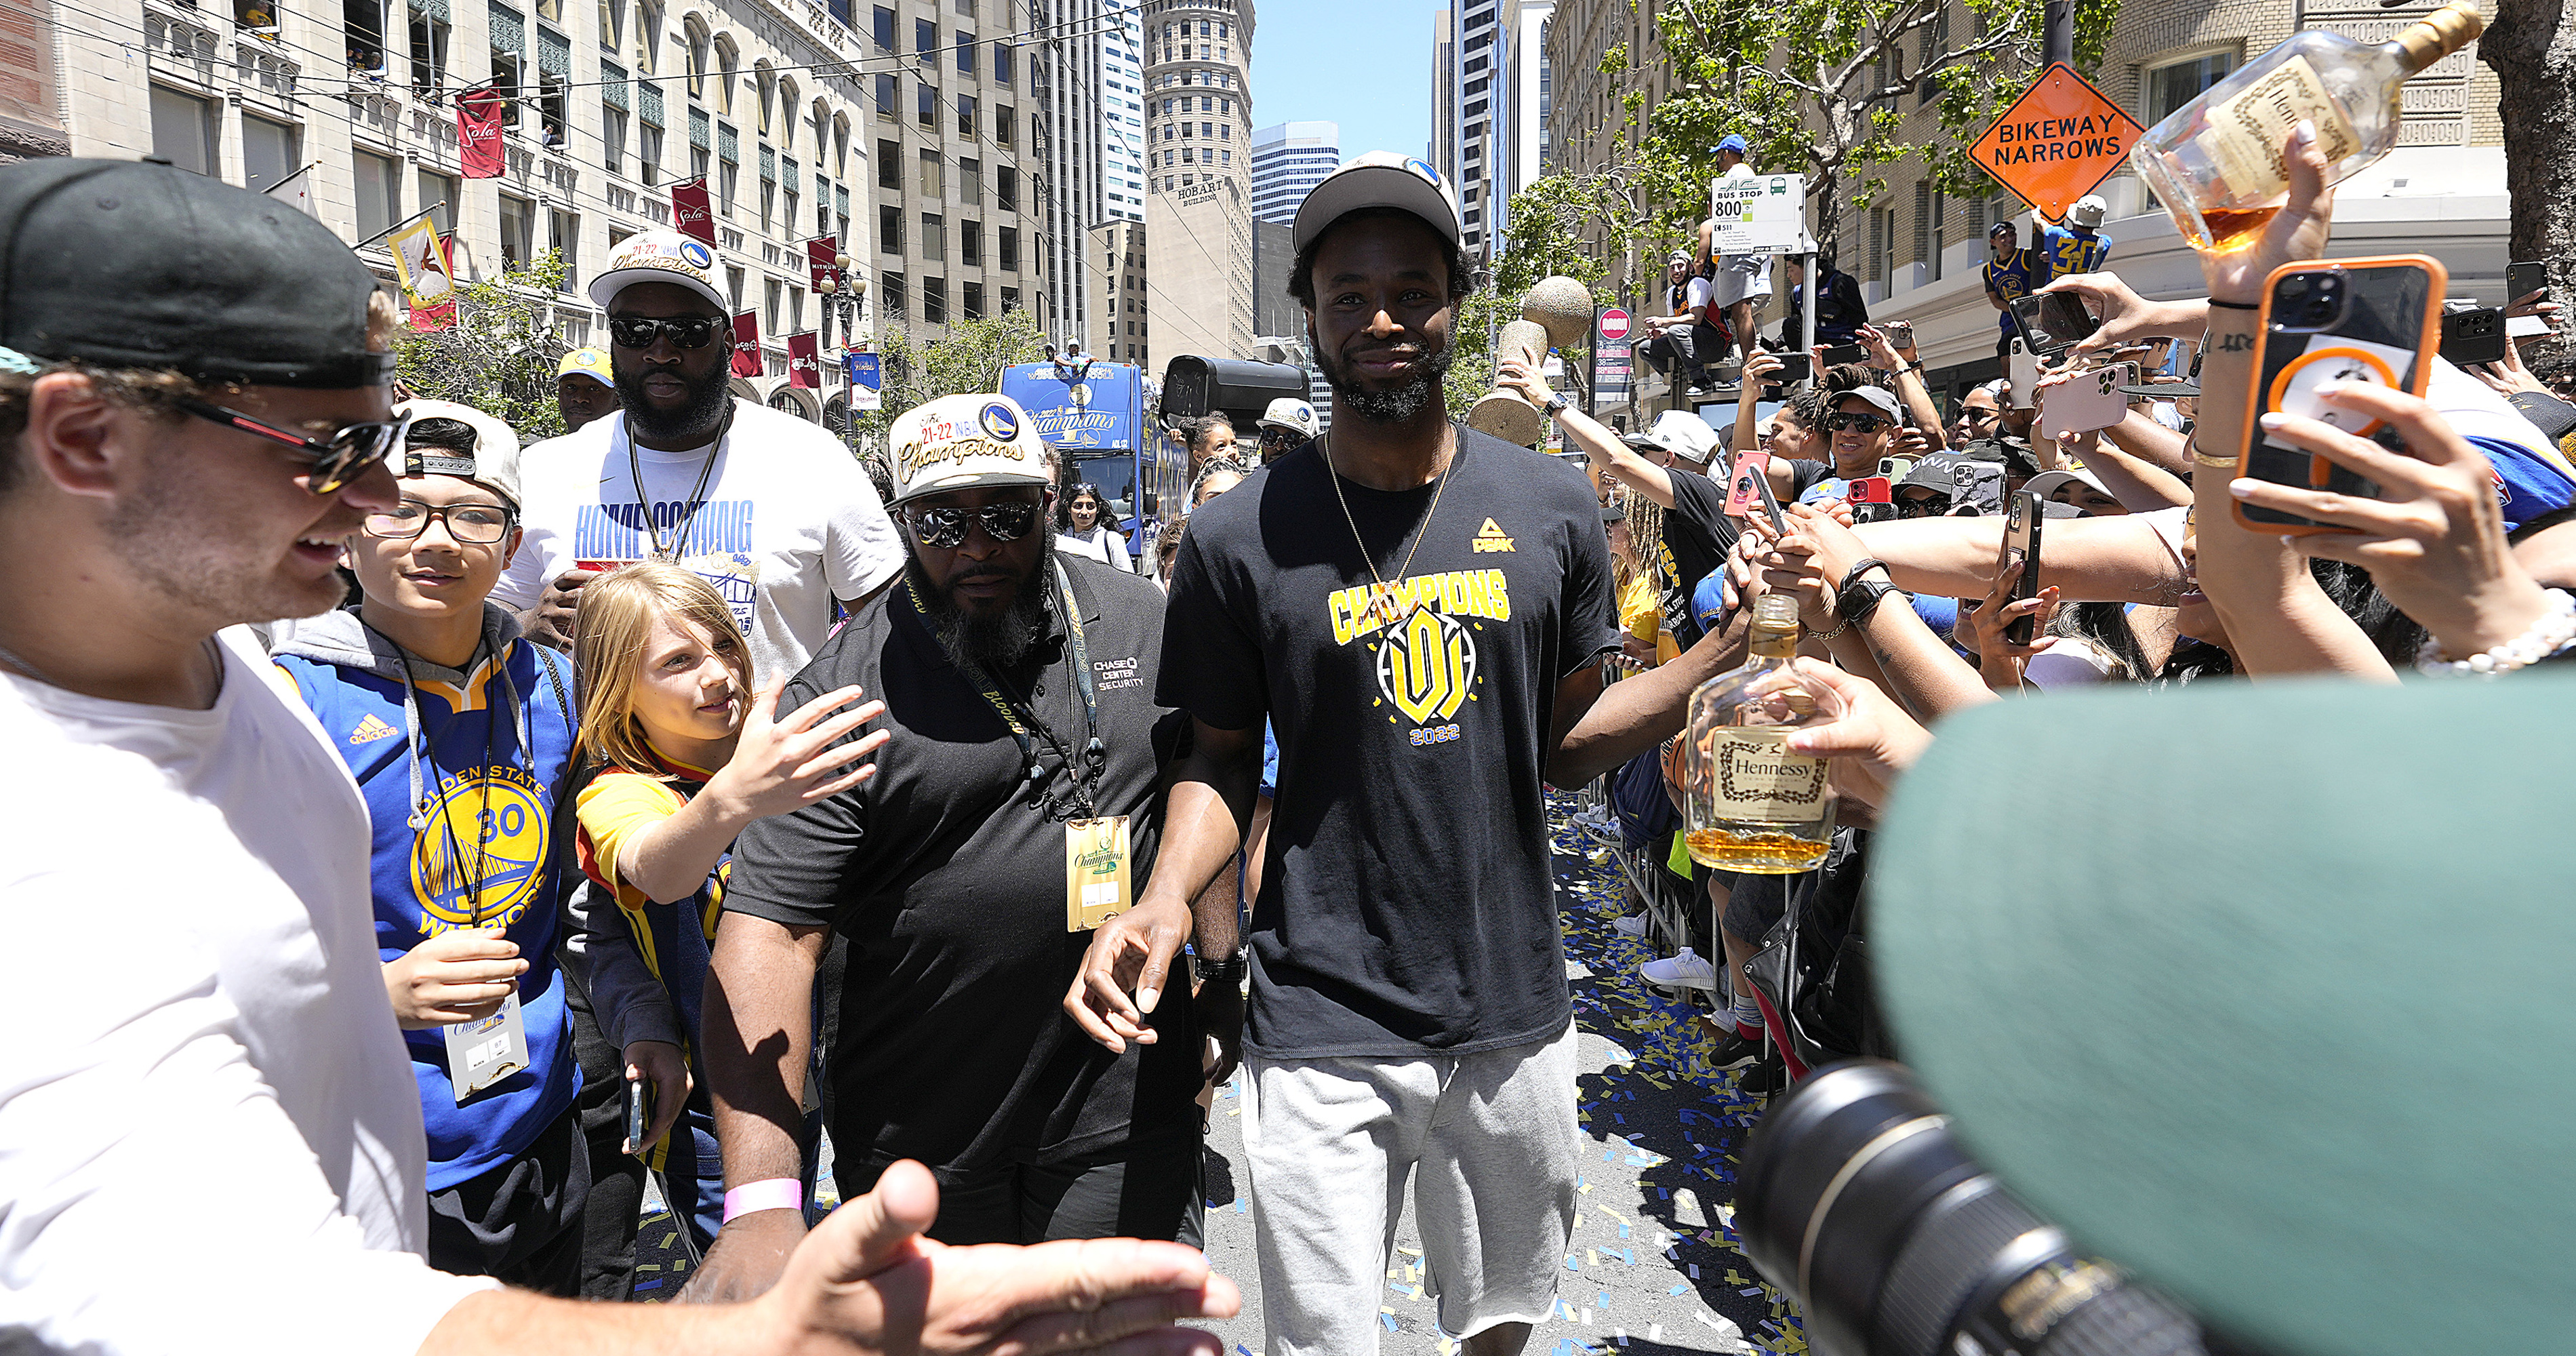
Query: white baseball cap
point(493, 464)
point(1679, 432)
point(664, 257)
point(1377, 179)
point(1290, 413)
point(962, 442)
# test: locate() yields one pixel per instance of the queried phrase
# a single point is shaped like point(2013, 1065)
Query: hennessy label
point(1755, 776)
point(2245, 134)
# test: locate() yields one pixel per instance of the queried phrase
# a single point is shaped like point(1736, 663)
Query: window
point(768, 93)
point(697, 62)
point(612, 26)
point(567, 237)
point(934, 236)
point(614, 96)
point(550, 10)
point(887, 97)
point(1008, 238)
point(1011, 302)
point(889, 230)
point(966, 116)
point(966, 54)
point(795, 309)
point(440, 196)
point(893, 297)
point(889, 166)
point(648, 141)
point(363, 24)
point(970, 243)
point(698, 139)
point(925, 35)
point(2171, 86)
point(966, 8)
point(1940, 218)
point(1006, 189)
point(648, 38)
point(428, 51)
point(823, 207)
point(934, 301)
point(1003, 117)
point(773, 290)
point(974, 299)
point(885, 29)
point(933, 183)
point(509, 56)
point(518, 228)
point(379, 186)
point(792, 187)
point(268, 152)
point(728, 164)
point(183, 133)
point(554, 76)
point(1225, 157)
point(970, 182)
point(1002, 64)
point(925, 105)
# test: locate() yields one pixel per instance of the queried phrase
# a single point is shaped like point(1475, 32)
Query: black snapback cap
point(139, 264)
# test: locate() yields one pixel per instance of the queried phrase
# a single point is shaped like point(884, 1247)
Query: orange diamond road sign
point(2058, 140)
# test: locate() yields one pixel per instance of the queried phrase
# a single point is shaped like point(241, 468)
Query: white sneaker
point(1685, 971)
point(1632, 925)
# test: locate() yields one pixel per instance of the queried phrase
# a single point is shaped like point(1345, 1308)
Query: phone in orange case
point(2374, 320)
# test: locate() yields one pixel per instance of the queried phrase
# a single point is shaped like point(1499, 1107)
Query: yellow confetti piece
point(1591, 1258)
point(1619, 1217)
point(1410, 1252)
point(1417, 1290)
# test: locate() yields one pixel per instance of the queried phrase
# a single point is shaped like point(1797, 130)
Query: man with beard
point(1427, 645)
point(1015, 807)
point(770, 509)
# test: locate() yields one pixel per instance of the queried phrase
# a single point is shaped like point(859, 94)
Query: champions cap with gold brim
point(659, 256)
point(1377, 179)
point(964, 442)
point(2261, 992)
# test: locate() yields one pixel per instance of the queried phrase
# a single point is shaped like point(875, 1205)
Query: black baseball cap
point(140, 264)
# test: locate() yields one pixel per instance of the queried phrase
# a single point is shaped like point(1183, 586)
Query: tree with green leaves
point(969, 360)
point(1552, 229)
point(500, 352)
point(1823, 88)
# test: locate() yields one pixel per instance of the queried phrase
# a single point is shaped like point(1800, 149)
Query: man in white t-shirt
point(1738, 283)
point(192, 865)
point(768, 508)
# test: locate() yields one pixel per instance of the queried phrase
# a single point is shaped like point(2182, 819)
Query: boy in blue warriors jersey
point(2012, 272)
point(459, 733)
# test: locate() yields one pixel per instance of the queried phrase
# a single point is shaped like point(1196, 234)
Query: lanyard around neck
point(689, 508)
point(1020, 717)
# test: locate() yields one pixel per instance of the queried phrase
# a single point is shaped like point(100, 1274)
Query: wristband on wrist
point(2555, 631)
point(775, 1193)
point(2235, 305)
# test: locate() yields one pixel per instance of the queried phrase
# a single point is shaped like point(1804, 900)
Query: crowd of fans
point(710, 795)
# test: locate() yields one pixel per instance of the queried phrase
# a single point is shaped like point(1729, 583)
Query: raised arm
point(1600, 446)
point(2118, 560)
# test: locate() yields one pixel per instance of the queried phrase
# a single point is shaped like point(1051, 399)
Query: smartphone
point(2022, 515)
point(2021, 374)
point(1741, 497)
point(2088, 401)
point(1899, 333)
point(1871, 490)
point(2374, 320)
point(1770, 502)
point(1838, 354)
point(2473, 336)
point(1793, 367)
point(2521, 280)
point(2051, 323)
point(639, 1093)
point(1896, 468)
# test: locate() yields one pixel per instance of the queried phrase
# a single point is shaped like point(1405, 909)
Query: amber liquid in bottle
point(1750, 803)
point(2230, 231)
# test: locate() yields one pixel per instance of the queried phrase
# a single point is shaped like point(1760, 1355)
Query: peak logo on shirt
point(1490, 537)
point(370, 730)
point(483, 853)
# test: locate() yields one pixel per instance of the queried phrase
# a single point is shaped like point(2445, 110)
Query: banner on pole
point(746, 344)
point(478, 132)
point(691, 213)
point(819, 254)
point(804, 362)
point(428, 274)
point(867, 382)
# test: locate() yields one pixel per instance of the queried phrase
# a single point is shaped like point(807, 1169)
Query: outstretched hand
point(783, 765)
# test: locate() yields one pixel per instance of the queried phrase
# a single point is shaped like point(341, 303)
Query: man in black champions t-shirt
point(1420, 610)
point(947, 873)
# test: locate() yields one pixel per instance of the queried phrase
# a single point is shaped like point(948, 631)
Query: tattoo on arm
point(2235, 343)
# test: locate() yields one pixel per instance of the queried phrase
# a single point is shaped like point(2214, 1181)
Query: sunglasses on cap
point(685, 331)
point(337, 460)
point(945, 528)
point(1866, 423)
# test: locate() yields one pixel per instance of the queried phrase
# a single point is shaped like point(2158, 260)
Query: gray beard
point(1386, 407)
point(987, 645)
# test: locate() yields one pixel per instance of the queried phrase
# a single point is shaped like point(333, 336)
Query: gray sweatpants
point(1493, 1139)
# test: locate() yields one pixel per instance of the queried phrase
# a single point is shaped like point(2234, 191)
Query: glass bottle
point(1748, 803)
point(2217, 164)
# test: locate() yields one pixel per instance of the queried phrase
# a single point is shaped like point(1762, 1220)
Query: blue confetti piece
point(1569, 1263)
point(1240, 1208)
point(653, 1284)
point(1388, 1320)
point(1677, 1289)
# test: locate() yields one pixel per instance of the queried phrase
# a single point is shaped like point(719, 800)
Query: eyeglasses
point(341, 458)
point(1924, 507)
point(1866, 423)
point(1977, 416)
point(471, 524)
point(685, 331)
point(945, 528)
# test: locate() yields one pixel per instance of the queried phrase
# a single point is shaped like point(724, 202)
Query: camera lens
point(1856, 1198)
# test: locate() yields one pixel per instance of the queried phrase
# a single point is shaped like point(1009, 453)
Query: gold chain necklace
point(1381, 594)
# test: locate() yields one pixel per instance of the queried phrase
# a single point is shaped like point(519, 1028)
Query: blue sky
point(1365, 64)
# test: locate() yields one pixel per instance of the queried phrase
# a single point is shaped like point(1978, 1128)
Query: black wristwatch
point(1231, 970)
point(1556, 402)
point(1856, 598)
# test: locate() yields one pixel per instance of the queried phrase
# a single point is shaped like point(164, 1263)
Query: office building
point(1198, 199)
point(354, 103)
point(1122, 102)
point(1066, 55)
point(1115, 262)
point(1490, 79)
point(1288, 160)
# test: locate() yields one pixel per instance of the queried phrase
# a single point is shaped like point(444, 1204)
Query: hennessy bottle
point(2217, 163)
point(1748, 803)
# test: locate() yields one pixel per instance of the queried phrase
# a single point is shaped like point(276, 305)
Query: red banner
point(746, 344)
point(478, 134)
point(443, 314)
point(690, 211)
point(804, 362)
point(819, 254)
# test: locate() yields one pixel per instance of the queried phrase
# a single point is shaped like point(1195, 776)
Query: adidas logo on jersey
point(370, 730)
point(1490, 538)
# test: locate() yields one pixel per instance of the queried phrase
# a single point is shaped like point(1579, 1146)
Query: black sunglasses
point(945, 528)
point(685, 331)
point(1866, 423)
point(341, 458)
